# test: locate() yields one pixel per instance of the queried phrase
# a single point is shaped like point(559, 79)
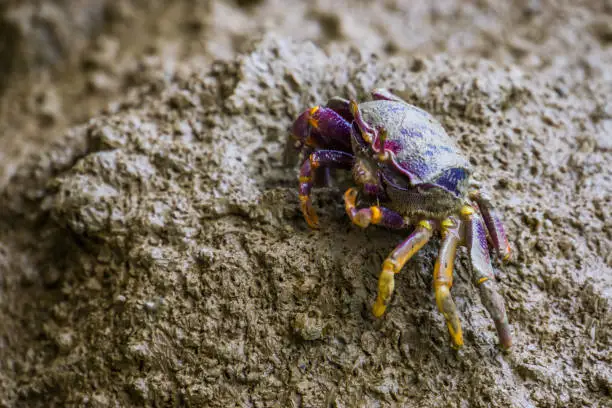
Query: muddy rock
point(188, 275)
point(38, 34)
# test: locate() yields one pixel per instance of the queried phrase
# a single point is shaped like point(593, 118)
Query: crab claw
point(322, 127)
point(361, 218)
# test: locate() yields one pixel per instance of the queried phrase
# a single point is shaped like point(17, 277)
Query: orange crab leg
point(372, 215)
point(396, 261)
point(320, 158)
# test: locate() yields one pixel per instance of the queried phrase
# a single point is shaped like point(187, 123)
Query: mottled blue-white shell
point(420, 147)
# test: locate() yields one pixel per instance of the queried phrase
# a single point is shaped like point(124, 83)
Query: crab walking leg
point(396, 261)
point(320, 158)
point(493, 223)
point(372, 215)
point(320, 177)
point(443, 280)
point(482, 272)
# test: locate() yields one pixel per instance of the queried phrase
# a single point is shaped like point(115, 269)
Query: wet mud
point(152, 251)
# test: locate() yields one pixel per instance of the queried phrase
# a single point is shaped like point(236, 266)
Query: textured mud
point(155, 255)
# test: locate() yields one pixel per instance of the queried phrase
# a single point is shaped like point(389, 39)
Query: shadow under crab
point(403, 159)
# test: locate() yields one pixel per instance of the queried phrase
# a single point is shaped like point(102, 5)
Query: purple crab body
point(403, 160)
point(425, 166)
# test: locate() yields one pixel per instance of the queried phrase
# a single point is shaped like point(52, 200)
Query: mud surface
point(151, 247)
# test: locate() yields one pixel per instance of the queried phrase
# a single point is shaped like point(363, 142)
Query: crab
point(405, 164)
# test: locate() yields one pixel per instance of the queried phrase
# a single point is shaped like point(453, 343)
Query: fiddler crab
point(405, 163)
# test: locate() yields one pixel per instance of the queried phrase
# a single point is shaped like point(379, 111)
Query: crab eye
point(384, 156)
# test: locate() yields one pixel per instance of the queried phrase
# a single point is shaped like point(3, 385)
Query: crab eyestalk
point(367, 132)
point(380, 142)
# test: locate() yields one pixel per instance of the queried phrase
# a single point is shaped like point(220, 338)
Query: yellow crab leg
point(396, 261)
point(443, 280)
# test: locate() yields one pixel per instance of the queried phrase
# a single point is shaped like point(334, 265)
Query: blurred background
point(62, 60)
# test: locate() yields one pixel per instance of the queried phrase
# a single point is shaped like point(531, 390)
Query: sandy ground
point(152, 251)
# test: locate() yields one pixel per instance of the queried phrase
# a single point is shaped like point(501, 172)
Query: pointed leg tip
point(456, 334)
point(313, 222)
point(457, 346)
point(505, 338)
point(458, 343)
point(378, 309)
point(505, 344)
point(308, 211)
point(506, 255)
